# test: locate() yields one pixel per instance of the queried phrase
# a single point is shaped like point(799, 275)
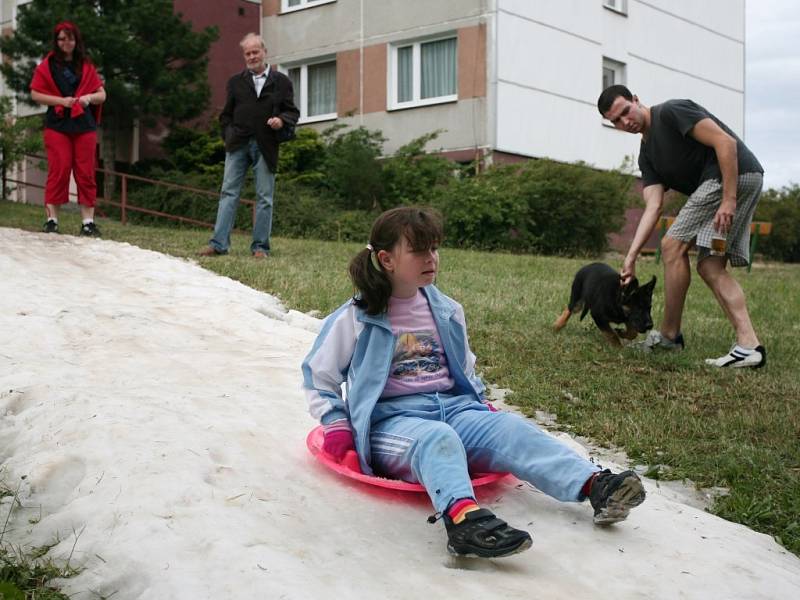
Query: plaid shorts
point(695, 221)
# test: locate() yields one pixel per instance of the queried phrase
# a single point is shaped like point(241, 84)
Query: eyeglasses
point(64, 38)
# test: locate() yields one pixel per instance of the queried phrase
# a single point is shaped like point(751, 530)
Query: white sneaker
point(756, 359)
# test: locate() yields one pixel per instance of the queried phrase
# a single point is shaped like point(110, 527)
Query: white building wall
point(549, 70)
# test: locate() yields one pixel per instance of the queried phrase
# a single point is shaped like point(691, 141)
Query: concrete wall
point(549, 69)
point(350, 29)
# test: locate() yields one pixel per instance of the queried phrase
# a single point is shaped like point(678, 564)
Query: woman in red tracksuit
point(68, 84)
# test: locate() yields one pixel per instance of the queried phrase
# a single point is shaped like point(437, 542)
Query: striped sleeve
point(325, 367)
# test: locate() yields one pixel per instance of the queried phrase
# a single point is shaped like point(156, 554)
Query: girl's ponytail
point(373, 288)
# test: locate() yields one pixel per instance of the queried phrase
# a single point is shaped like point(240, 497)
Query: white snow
point(154, 410)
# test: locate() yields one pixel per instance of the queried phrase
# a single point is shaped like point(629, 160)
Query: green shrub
point(539, 206)
point(352, 171)
point(782, 209)
point(410, 174)
point(306, 213)
point(301, 160)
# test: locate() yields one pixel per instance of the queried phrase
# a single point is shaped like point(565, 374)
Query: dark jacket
point(245, 115)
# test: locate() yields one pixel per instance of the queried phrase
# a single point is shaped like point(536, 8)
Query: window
point(314, 90)
point(423, 73)
point(292, 5)
point(613, 73)
point(620, 6)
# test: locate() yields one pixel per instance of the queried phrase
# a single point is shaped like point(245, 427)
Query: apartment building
point(505, 80)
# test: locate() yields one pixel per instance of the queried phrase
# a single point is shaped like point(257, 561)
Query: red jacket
point(90, 82)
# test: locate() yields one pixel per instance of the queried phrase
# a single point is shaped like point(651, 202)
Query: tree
point(18, 137)
point(153, 64)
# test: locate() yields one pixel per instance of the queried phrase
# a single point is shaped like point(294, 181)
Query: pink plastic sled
point(349, 467)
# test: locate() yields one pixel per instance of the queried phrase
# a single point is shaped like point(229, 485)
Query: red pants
point(70, 152)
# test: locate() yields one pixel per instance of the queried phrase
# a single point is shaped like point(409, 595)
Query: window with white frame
point(292, 5)
point(314, 90)
point(423, 73)
point(613, 73)
point(620, 6)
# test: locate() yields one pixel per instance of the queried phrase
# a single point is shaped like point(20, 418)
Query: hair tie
point(373, 258)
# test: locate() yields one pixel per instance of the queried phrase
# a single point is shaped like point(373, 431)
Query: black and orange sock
point(458, 510)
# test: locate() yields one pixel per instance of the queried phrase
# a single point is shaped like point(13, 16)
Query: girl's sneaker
point(613, 496)
point(483, 535)
point(50, 226)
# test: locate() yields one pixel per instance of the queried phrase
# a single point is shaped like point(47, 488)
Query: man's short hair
point(610, 94)
point(252, 36)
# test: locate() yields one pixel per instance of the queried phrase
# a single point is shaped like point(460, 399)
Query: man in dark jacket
point(260, 101)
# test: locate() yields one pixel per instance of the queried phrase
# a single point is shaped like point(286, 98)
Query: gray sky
point(772, 88)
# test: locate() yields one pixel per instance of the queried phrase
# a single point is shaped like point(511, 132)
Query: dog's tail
point(562, 319)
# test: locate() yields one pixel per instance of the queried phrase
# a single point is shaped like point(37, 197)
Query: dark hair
point(610, 94)
point(79, 54)
point(422, 228)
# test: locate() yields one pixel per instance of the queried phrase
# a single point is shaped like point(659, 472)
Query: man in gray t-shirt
point(685, 147)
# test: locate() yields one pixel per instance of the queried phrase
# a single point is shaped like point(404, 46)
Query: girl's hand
point(67, 101)
point(85, 100)
point(338, 442)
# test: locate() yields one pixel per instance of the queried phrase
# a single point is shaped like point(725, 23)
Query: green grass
point(27, 574)
point(735, 429)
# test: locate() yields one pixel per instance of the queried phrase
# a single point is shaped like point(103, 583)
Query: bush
point(305, 213)
point(410, 175)
point(352, 172)
point(540, 206)
point(782, 209)
point(331, 186)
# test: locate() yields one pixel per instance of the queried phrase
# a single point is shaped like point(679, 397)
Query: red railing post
point(123, 213)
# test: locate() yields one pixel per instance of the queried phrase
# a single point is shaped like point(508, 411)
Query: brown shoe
point(260, 254)
point(209, 251)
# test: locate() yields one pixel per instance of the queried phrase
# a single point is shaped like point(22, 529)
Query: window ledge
point(318, 118)
point(291, 9)
point(623, 13)
point(421, 103)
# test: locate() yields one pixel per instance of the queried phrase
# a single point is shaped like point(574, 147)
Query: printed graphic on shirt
point(417, 357)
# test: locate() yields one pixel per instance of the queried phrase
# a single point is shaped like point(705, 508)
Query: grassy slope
point(720, 428)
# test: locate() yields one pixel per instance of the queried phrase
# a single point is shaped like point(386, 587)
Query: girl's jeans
point(436, 439)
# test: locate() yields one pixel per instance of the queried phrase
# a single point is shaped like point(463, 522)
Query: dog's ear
point(650, 285)
point(629, 290)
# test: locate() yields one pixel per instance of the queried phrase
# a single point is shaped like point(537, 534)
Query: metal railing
point(124, 205)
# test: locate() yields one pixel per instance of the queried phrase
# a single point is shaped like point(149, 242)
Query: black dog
point(597, 288)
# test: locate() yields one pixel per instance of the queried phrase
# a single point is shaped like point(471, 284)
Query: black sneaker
point(50, 226)
point(483, 535)
point(90, 229)
point(613, 496)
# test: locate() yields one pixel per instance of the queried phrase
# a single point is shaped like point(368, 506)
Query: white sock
point(87, 221)
point(742, 351)
point(53, 219)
